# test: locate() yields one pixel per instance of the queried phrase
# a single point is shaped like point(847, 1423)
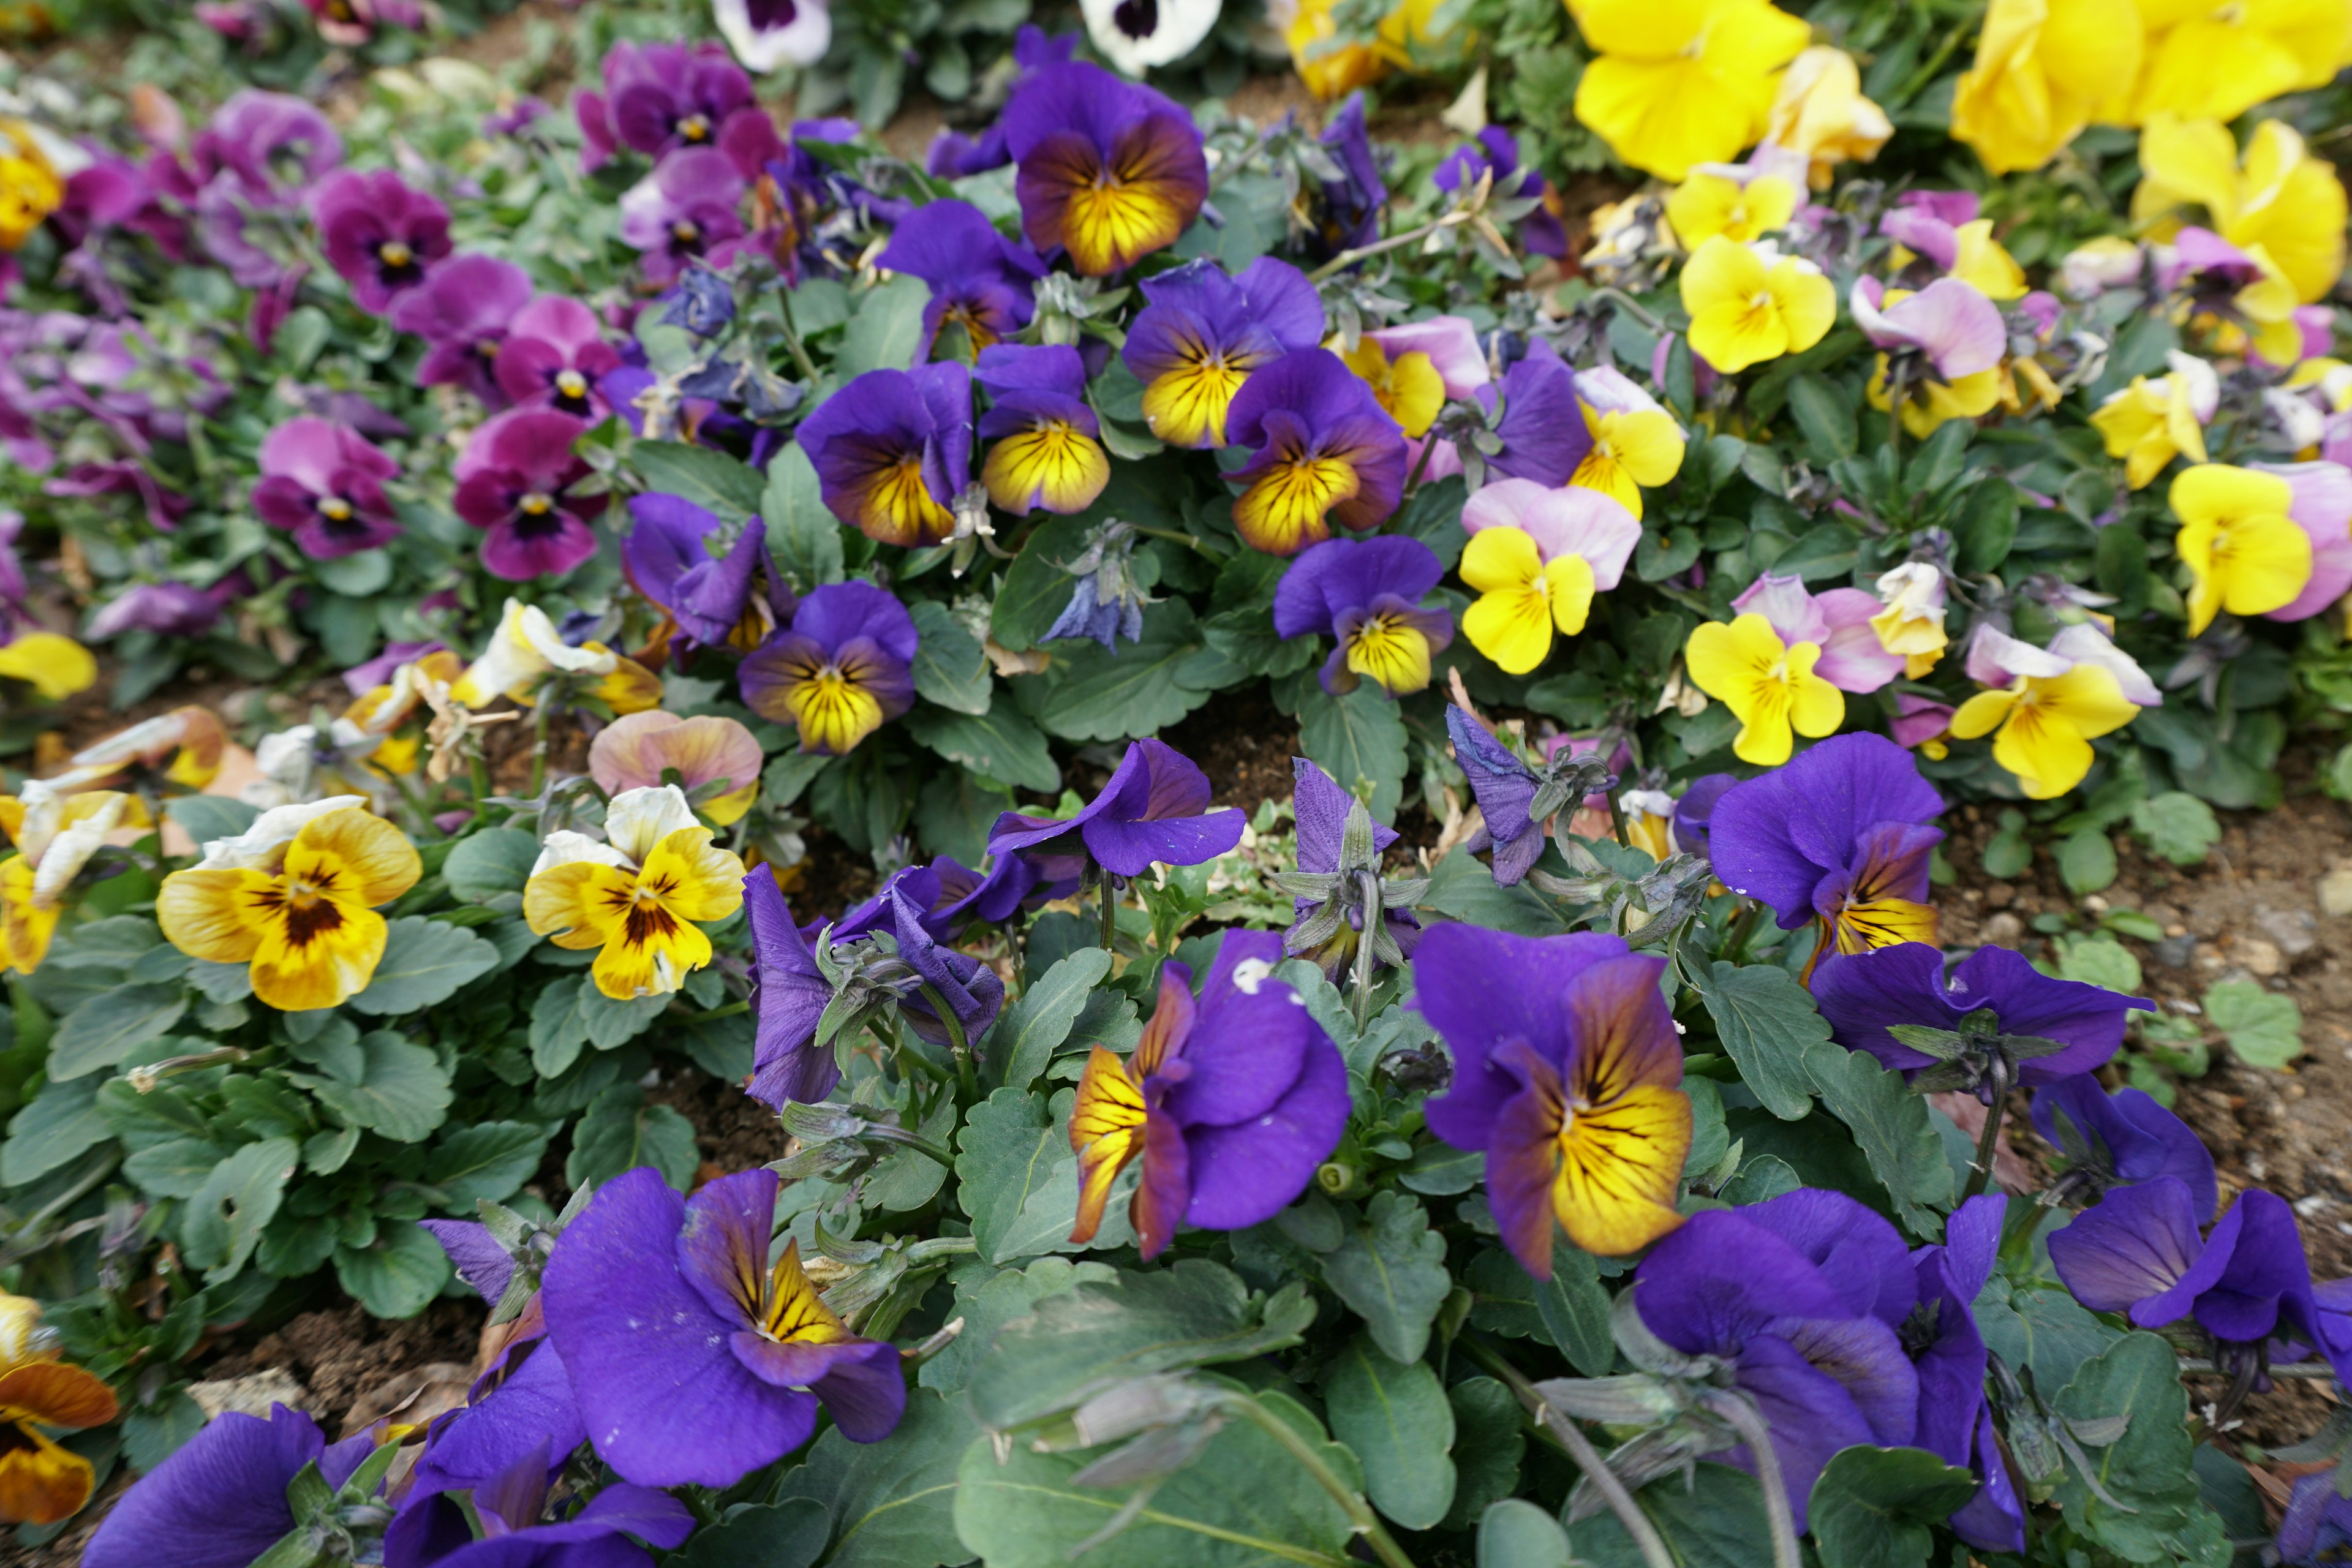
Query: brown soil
point(734, 1131)
point(346, 1359)
point(1245, 743)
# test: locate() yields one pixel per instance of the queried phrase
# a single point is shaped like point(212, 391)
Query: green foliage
point(2264, 1029)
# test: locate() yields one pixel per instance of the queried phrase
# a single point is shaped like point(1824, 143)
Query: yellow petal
point(693, 878)
point(1106, 1132)
point(1053, 463)
point(217, 915)
point(649, 953)
point(319, 954)
point(54, 666)
point(373, 861)
point(41, 1483)
point(1984, 713)
point(1510, 626)
point(25, 926)
point(1567, 584)
point(1499, 558)
point(1807, 302)
point(577, 903)
point(1620, 1165)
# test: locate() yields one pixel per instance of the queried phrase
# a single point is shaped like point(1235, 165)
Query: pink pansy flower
point(1837, 622)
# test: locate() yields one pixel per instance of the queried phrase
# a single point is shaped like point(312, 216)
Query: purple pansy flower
point(1320, 809)
point(1349, 213)
point(1322, 447)
point(463, 311)
point(1928, 222)
point(1694, 822)
point(1230, 1101)
point(952, 154)
point(1505, 788)
point(681, 211)
point(219, 1501)
point(978, 279)
point(659, 98)
point(1044, 446)
point(1365, 595)
point(379, 235)
point(1838, 836)
point(1110, 171)
point(893, 450)
point(736, 600)
point(1864, 994)
point(695, 1361)
point(514, 481)
point(429, 1531)
point(324, 484)
point(1154, 809)
point(2114, 1139)
point(167, 609)
point(1542, 424)
point(1955, 1419)
point(1853, 659)
point(2318, 1526)
point(790, 995)
point(842, 671)
point(1946, 331)
point(553, 354)
point(1201, 333)
point(1496, 148)
point(914, 910)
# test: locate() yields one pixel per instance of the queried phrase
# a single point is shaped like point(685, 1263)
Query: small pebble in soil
point(2293, 930)
point(2261, 959)
point(2173, 951)
point(2336, 892)
point(2003, 930)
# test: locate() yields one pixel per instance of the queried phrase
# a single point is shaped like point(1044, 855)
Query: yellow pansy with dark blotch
point(1106, 170)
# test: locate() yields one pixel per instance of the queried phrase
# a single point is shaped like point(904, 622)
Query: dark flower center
point(1137, 18)
point(767, 15)
point(487, 348)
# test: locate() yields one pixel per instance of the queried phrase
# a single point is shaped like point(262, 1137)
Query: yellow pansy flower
point(1705, 205)
point(2277, 196)
point(1331, 68)
point(1912, 624)
point(2246, 554)
point(636, 896)
point(2042, 69)
point(1536, 557)
point(526, 652)
point(55, 835)
point(1635, 443)
point(2215, 61)
point(56, 666)
point(1769, 686)
point(30, 188)
point(2149, 423)
point(295, 896)
point(1407, 386)
point(2046, 724)
point(1746, 308)
point(1821, 114)
point(1680, 82)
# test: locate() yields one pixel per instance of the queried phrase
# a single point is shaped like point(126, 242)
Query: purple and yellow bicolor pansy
point(1568, 1075)
point(980, 280)
point(845, 668)
point(892, 451)
point(1046, 444)
point(735, 600)
point(1366, 593)
point(1322, 447)
point(1229, 1103)
point(1201, 333)
point(1107, 170)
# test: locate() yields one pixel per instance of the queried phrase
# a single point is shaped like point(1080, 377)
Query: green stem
point(478, 770)
point(959, 1044)
point(907, 1140)
point(732, 1009)
point(541, 719)
point(1109, 902)
point(1421, 463)
point(1927, 73)
point(1173, 537)
point(1606, 1481)
point(1631, 307)
point(1749, 1422)
point(1980, 1171)
point(800, 360)
point(1743, 932)
point(1360, 1512)
point(1370, 886)
point(1348, 258)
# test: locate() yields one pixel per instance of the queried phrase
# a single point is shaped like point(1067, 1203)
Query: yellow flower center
point(684, 232)
point(571, 384)
point(335, 509)
point(693, 127)
point(535, 504)
point(391, 253)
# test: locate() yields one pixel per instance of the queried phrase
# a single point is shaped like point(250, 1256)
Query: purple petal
point(218, 1502)
point(1857, 1252)
point(2137, 1251)
point(1453, 975)
point(530, 1408)
point(1246, 1047)
point(1250, 1172)
point(480, 1261)
point(2266, 1271)
point(1718, 1281)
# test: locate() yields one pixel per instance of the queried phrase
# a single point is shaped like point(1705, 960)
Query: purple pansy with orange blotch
point(462, 310)
point(1108, 171)
point(685, 208)
point(1866, 995)
point(1229, 1103)
point(980, 280)
point(514, 480)
point(893, 450)
point(1046, 441)
point(378, 235)
point(1839, 835)
point(1568, 1077)
point(845, 668)
point(648, 1294)
point(1155, 809)
point(323, 483)
point(1365, 595)
point(1201, 333)
point(736, 600)
point(554, 354)
point(1322, 448)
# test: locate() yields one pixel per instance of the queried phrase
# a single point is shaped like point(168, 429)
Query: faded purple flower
point(687, 205)
point(462, 310)
point(738, 599)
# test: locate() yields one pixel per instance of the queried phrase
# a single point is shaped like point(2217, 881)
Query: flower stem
point(1348, 258)
point(1360, 1512)
point(1631, 307)
point(1980, 1169)
point(1106, 895)
point(1749, 1422)
point(907, 1140)
point(959, 1045)
point(800, 360)
point(1421, 463)
point(1743, 932)
point(541, 719)
point(1370, 884)
point(1606, 1481)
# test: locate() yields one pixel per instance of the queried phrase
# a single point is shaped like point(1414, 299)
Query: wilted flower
point(1496, 151)
point(1515, 801)
point(2149, 423)
point(1912, 624)
point(1154, 809)
point(514, 482)
point(462, 310)
point(1819, 113)
point(2043, 69)
point(768, 35)
point(683, 210)
point(219, 1501)
point(736, 600)
point(644, 749)
point(1567, 1075)
point(1044, 438)
point(1229, 1103)
point(1348, 213)
point(40, 1482)
point(1108, 171)
point(1747, 307)
point(2049, 704)
point(980, 280)
point(1109, 602)
point(1940, 350)
point(789, 995)
point(843, 669)
point(554, 354)
point(1538, 557)
point(1338, 891)
point(1202, 332)
point(1366, 595)
point(526, 651)
point(295, 897)
point(509, 1504)
point(2239, 298)
point(1537, 417)
point(638, 896)
point(323, 483)
point(893, 452)
point(2277, 197)
point(183, 747)
point(1840, 836)
point(1322, 448)
point(648, 1293)
point(1672, 87)
point(2111, 1139)
point(55, 835)
point(1636, 442)
point(378, 235)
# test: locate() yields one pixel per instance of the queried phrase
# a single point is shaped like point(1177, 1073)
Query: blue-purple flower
point(893, 452)
point(845, 668)
point(1108, 171)
point(980, 280)
point(1155, 808)
point(1348, 214)
point(430, 1532)
point(1995, 996)
point(1497, 149)
point(220, 1500)
point(1229, 1102)
point(1045, 440)
point(736, 600)
point(789, 995)
point(1540, 421)
point(694, 1359)
point(1694, 820)
point(1322, 809)
point(1366, 595)
point(1322, 447)
point(1948, 1351)
point(1203, 331)
point(2114, 1139)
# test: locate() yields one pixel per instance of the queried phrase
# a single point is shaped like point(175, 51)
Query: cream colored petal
point(538, 630)
point(264, 844)
point(638, 819)
point(565, 848)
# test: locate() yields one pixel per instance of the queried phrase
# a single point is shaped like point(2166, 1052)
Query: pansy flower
point(1941, 229)
point(510, 1505)
point(683, 210)
point(1045, 440)
point(1366, 595)
point(1537, 556)
point(1349, 214)
point(1567, 1075)
point(1840, 835)
point(658, 98)
point(462, 310)
point(1912, 624)
point(1535, 414)
point(1784, 661)
point(2043, 707)
point(1322, 448)
point(769, 35)
point(1675, 85)
point(843, 669)
point(980, 280)
point(2320, 503)
point(55, 834)
point(1749, 305)
point(1229, 1102)
point(893, 452)
point(2277, 195)
point(1866, 995)
point(1155, 808)
point(2116, 1139)
point(1821, 115)
point(40, 1481)
point(295, 897)
point(648, 1293)
point(2243, 552)
point(219, 1501)
point(2151, 422)
point(553, 356)
point(640, 897)
point(526, 651)
point(1136, 37)
point(323, 483)
point(1731, 201)
point(1497, 150)
point(1201, 333)
point(1107, 170)
point(642, 750)
point(514, 482)
point(736, 600)
point(1941, 347)
point(378, 235)
point(1636, 445)
point(1328, 932)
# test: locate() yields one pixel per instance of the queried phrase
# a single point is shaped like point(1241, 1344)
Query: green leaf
point(205, 817)
point(222, 1222)
point(1767, 1024)
point(2179, 827)
point(950, 669)
point(1391, 1269)
point(1394, 1416)
point(488, 1160)
point(892, 1502)
point(2042, 1329)
point(1243, 1503)
point(2147, 1468)
point(402, 1092)
point(1361, 741)
point(1575, 1309)
point(1876, 1508)
point(1489, 1443)
point(1139, 688)
point(781, 1535)
point(424, 963)
point(1000, 743)
point(559, 1024)
point(2100, 961)
point(1823, 417)
point(108, 1027)
point(987, 1299)
point(1035, 588)
point(62, 1124)
point(1462, 888)
point(152, 1434)
point(176, 1168)
point(620, 1131)
point(484, 864)
point(2086, 861)
point(886, 328)
point(1004, 1155)
point(907, 1179)
point(1102, 1334)
point(1028, 1030)
point(1515, 1533)
point(2265, 1029)
point(709, 479)
point(1716, 1521)
point(804, 536)
point(614, 1023)
point(1891, 1125)
point(395, 1276)
point(1043, 1223)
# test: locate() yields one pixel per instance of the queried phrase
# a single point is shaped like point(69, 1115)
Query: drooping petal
point(2137, 1251)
